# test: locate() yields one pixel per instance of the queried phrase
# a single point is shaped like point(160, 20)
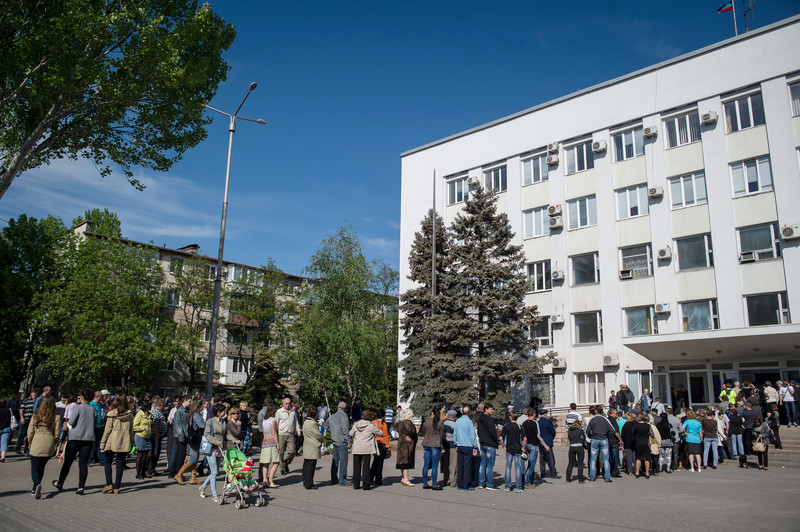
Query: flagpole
point(733, 5)
point(433, 244)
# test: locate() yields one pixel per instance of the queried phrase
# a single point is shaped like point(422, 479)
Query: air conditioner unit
point(554, 210)
point(599, 146)
point(662, 308)
point(552, 147)
point(471, 181)
point(655, 191)
point(709, 117)
point(626, 274)
point(559, 363)
point(556, 222)
point(747, 256)
point(790, 232)
point(611, 360)
point(651, 131)
point(665, 253)
point(552, 160)
point(556, 319)
point(558, 275)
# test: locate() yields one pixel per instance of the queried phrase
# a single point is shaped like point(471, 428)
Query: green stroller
point(239, 479)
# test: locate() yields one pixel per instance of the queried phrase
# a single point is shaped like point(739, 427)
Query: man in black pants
point(614, 443)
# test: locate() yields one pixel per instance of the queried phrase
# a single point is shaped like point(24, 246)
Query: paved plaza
point(726, 499)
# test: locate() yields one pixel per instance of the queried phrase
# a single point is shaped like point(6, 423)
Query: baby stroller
point(239, 478)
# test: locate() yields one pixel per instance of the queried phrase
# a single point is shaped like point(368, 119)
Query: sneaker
point(491, 488)
point(507, 489)
point(480, 487)
point(691, 470)
point(520, 491)
point(37, 493)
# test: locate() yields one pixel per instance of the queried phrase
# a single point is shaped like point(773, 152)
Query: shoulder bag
point(759, 446)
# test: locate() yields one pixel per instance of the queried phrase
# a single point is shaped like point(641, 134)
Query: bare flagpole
point(733, 5)
point(433, 243)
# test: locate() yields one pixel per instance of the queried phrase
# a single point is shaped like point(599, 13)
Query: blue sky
point(345, 88)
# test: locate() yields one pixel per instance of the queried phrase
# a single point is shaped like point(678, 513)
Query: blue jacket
point(547, 431)
point(464, 433)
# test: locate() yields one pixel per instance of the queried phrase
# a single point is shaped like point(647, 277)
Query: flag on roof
point(726, 7)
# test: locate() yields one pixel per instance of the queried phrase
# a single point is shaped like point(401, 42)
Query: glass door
point(679, 388)
point(698, 389)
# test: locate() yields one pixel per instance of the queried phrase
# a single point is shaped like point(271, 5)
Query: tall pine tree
point(436, 362)
point(488, 280)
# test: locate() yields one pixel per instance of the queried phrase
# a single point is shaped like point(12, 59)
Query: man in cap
point(339, 427)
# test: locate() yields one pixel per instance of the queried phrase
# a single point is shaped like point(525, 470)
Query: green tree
point(192, 288)
point(488, 280)
point(103, 222)
point(119, 83)
point(437, 360)
point(28, 253)
point(384, 287)
point(105, 312)
point(337, 343)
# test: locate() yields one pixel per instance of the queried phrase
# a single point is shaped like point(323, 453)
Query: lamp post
point(212, 345)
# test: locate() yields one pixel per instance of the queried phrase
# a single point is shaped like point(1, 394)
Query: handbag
point(14, 423)
point(759, 446)
point(205, 446)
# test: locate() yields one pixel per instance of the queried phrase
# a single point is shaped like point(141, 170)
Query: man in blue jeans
point(599, 431)
point(339, 427)
point(487, 437)
point(533, 440)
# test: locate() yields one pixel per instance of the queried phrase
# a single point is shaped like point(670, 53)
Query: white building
point(651, 210)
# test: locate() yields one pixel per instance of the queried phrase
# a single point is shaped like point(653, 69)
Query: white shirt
point(786, 394)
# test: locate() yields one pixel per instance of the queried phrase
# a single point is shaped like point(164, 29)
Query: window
point(173, 298)
point(175, 265)
point(457, 190)
point(539, 276)
point(582, 212)
point(751, 176)
point(794, 94)
point(767, 309)
point(744, 112)
point(542, 333)
point(207, 334)
point(763, 240)
point(628, 144)
point(588, 328)
point(579, 158)
point(495, 179)
point(639, 321)
point(236, 336)
point(694, 252)
point(638, 260)
point(585, 269)
point(699, 315)
point(543, 386)
point(683, 129)
point(688, 190)
point(169, 366)
point(536, 221)
point(212, 273)
point(240, 365)
point(632, 202)
point(534, 170)
point(591, 388)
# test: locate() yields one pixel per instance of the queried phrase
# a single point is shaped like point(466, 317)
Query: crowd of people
point(636, 437)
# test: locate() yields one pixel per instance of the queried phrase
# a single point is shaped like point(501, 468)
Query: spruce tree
point(488, 280)
point(436, 361)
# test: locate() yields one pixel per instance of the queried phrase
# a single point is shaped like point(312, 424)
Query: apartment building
point(234, 353)
point(659, 214)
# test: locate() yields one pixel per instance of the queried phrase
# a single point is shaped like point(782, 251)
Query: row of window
point(762, 241)
point(587, 327)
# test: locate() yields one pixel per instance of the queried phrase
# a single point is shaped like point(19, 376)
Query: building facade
point(659, 215)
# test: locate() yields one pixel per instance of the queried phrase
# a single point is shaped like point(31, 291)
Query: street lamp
point(212, 345)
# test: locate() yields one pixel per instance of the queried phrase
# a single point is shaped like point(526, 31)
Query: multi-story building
point(659, 214)
point(233, 352)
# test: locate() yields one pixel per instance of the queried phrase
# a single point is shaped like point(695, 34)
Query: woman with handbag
point(433, 435)
point(628, 443)
point(665, 450)
point(117, 441)
point(312, 440)
point(384, 450)
point(270, 450)
point(577, 452)
point(42, 437)
point(214, 438)
point(641, 434)
point(365, 445)
point(6, 422)
point(694, 440)
point(761, 441)
point(196, 427)
point(142, 430)
point(406, 445)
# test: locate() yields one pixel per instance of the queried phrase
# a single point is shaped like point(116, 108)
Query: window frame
point(590, 207)
point(590, 381)
point(681, 181)
point(652, 323)
point(549, 337)
point(713, 314)
point(648, 252)
point(794, 98)
point(708, 249)
point(176, 265)
point(639, 192)
point(595, 257)
point(571, 155)
point(452, 189)
point(173, 298)
point(539, 214)
point(691, 125)
point(489, 178)
point(736, 103)
point(775, 235)
point(533, 270)
point(758, 164)
point(598, 326)
point(622, 140)
point(533, 161)
point(784, 316)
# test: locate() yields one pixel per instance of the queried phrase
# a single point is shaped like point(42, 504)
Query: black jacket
point(487, 433)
